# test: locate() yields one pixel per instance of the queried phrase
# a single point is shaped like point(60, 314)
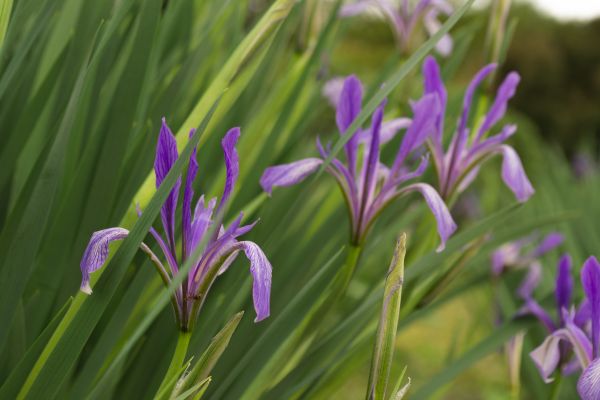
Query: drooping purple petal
point(590, 279)
point(232, 163)
point(514, 175)
point(564, 283)
point(288, 174)
point(166, 155)
point(188, 196)
point(546, 357)
point(261, 271)
point(505, 92)
point(588, 385)
point(445, 224)
point(533, 308)
point(96, 253)
point(348, 107)
point(432, 25)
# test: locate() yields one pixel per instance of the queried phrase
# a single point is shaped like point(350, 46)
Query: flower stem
point(183, 340)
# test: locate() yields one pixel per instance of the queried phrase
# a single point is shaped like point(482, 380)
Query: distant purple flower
point(367, 185)
point(520, 253)
point(458, 166)
point(574, 338)
point(404, 18)
point(220, 250)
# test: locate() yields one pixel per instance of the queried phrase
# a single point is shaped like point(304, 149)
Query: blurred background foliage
point(83, 86)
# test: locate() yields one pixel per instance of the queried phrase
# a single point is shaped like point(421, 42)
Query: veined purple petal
point(445, 224)
point(588, 385)
point(96, 253)
point(546, 357)
point(188, 196)
point(590, 279)
point(348, 108)
point(505, 92)
point(564, 283)
point(531, 281)
point(434, 84)
point(514, 175)
point(261, 271)
point(166, 155)
point(232, 163)
point(288, 174)
point(549, 243)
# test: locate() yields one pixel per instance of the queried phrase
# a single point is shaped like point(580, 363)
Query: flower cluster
point(367, 184)
point(200, 225)
point(459, 164)
point(405, 17)
point(573, 341)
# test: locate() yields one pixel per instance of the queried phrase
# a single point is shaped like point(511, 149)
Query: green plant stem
point(183, 340)
point(556, 387)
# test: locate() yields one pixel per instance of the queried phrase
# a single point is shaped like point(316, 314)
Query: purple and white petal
point(288, 174)
point(96, 253)
point(590, 279)
point(514, 175)
point(445, 223)
point(261, 271)
point(232, 163)
point(564, 283)
point(588, 385)
point(546, 357)
point(432, 25)
point(166, 155)
point(332, 90)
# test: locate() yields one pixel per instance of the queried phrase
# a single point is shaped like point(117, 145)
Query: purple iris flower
point(574, 340)
point(220, 250)
point(368, 185)
point(404, 18)
point(458, 166)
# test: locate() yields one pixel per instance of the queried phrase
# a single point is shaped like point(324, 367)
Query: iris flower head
point(367, 184)
point(405, 17)
point(470, 146)
point(200, 225)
